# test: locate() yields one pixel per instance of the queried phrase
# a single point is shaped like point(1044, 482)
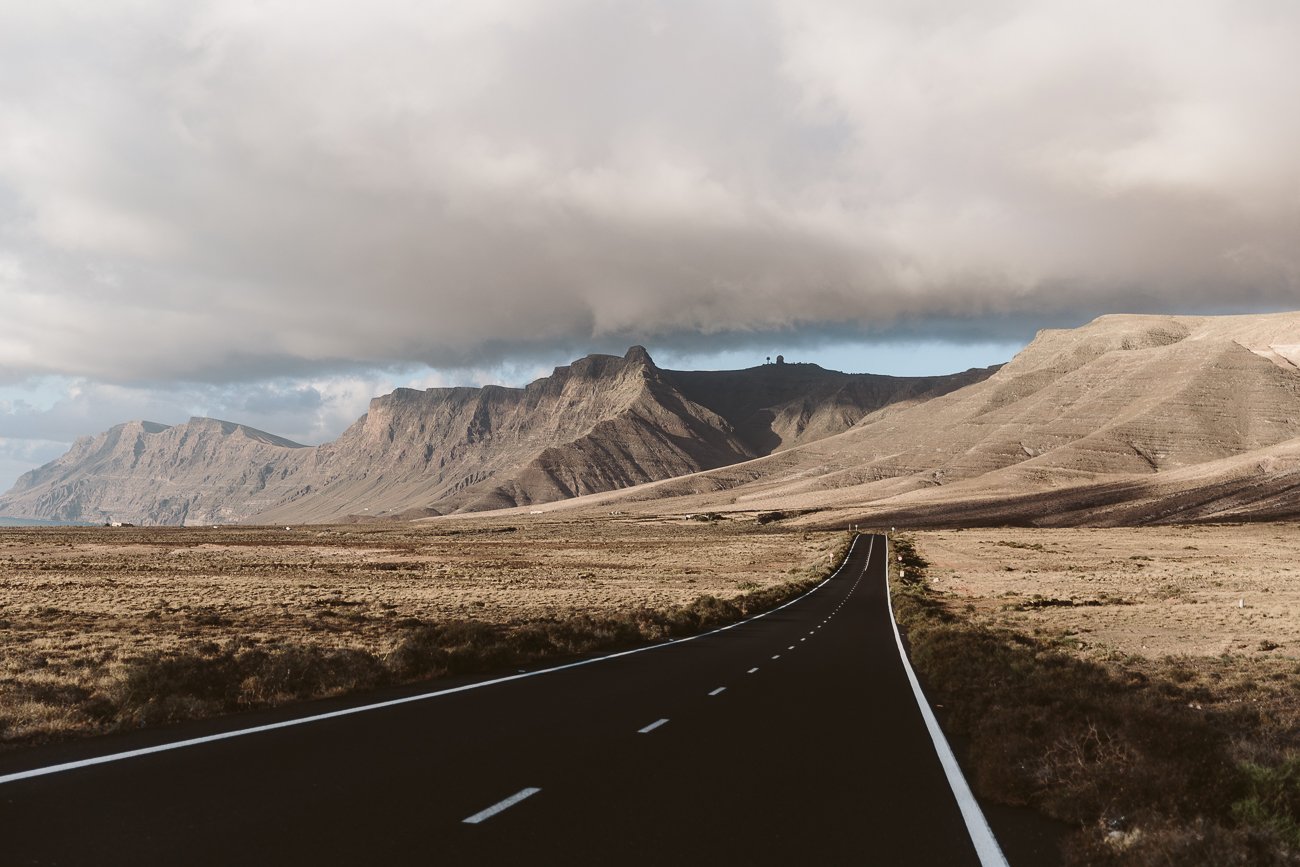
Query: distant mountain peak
point(600, 423)
point(638, 354)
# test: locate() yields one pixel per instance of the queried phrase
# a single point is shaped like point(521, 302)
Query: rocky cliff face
point(778, 406)
point(599, 424)
point(602, 422)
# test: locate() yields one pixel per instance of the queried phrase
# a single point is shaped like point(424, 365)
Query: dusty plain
point(80, 606)
point(1199, 590)
point(1139, 685)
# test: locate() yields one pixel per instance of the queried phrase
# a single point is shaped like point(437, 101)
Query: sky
point(271, 212)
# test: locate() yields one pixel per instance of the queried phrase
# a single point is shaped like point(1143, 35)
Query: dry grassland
point(1167, 591)
point(82, 610)
point(1138, 684)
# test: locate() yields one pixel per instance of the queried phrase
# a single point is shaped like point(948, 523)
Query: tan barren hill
point(602, 423)
point(1129, 419)
point(201, 472)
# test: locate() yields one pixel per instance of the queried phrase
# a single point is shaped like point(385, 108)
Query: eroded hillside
point(1129, 419)
point(602, 423)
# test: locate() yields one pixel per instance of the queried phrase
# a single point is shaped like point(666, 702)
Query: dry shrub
point(205, 679)
point(1272, 799)
point(1174, 844)
point(1137, 760)
point(456, 647)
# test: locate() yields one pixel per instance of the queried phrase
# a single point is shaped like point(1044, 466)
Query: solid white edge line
point(654, 725)
point(981, 835)
point(394, 702)
point(499, 806)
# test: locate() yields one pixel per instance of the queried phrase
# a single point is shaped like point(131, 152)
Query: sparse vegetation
point(1196, 590)
point(1167, 761)
point(211, 680)
point(1027, 546)
point(337, 610)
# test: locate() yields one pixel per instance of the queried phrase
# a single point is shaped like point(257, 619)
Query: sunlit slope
point(203, 471)
point(601, 423)
point(1130, 399)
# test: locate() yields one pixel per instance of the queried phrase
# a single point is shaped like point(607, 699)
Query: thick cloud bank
point(232, 190)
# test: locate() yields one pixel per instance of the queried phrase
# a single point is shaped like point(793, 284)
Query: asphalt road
point(791, 738)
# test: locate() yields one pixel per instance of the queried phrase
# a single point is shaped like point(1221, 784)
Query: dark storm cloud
point(237, 191)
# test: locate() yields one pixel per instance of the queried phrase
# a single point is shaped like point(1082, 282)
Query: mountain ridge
point(599, 423)
point(1114, 413)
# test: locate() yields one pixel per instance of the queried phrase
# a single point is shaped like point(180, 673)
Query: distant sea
point(38, 522)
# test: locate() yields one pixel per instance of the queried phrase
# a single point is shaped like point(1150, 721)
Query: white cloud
point(294, 194)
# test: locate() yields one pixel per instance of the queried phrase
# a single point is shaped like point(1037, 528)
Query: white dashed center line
point(654, 725)
point(484, 815)
point(777, 656)
point(720, 689)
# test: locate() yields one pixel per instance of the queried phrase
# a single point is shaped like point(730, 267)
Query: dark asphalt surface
point(820, 756)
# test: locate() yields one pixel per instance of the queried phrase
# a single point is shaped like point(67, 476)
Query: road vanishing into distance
point(794, 737)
